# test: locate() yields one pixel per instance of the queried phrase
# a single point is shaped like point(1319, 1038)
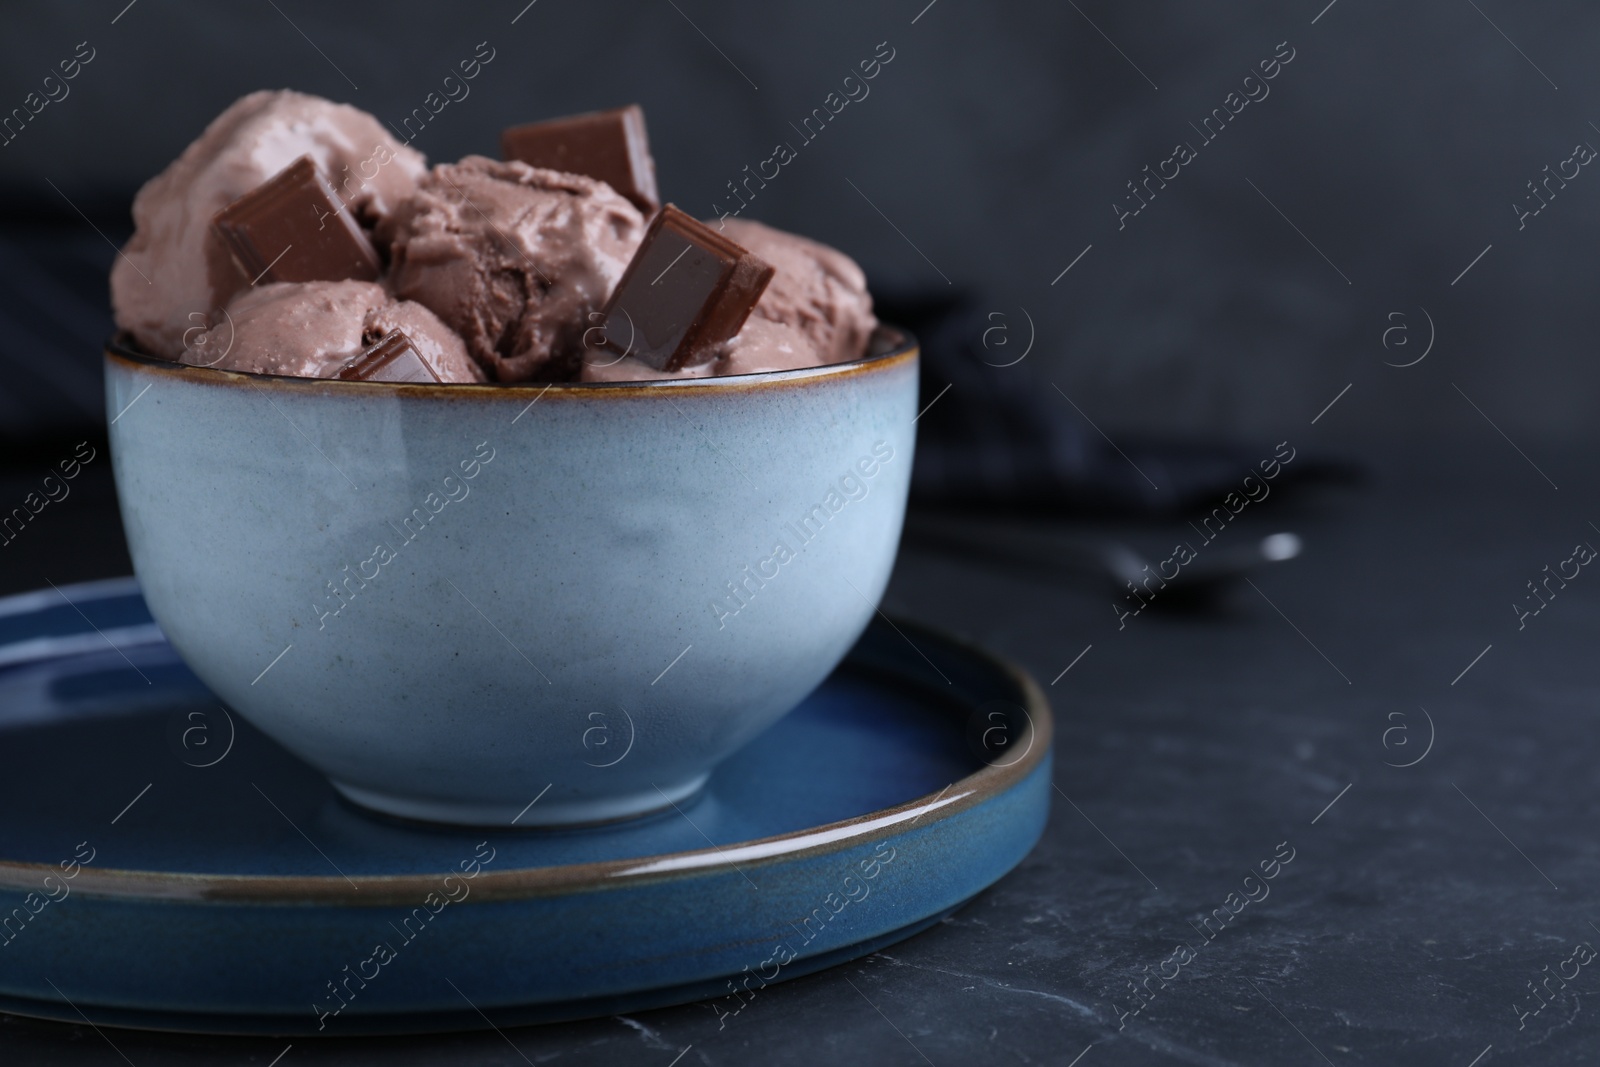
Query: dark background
point(997, 141)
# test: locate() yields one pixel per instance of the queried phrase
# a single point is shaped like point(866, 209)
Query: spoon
point(1208, 571)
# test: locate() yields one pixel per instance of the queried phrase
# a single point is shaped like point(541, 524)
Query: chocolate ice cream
point(516, 259)
point(175, 273)
point(818, 290)
point(313, 329)
point(491, 270)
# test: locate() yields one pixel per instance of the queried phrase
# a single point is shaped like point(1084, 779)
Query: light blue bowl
point(513, 605)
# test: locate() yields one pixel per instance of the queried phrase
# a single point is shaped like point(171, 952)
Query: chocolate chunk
point(393, 359)
point(608, 145)
point(687, 290)
point(294, 228)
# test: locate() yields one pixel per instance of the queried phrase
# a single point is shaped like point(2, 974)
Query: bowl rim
point(889, 347)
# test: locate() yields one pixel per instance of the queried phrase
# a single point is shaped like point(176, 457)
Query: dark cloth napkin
point(55, 316)
point(999, 436)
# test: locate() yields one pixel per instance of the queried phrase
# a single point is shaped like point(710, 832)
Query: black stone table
point(1421, 902)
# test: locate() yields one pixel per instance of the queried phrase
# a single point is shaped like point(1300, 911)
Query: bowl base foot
point(543, 811)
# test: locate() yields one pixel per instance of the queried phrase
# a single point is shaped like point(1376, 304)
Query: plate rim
point(983, 785)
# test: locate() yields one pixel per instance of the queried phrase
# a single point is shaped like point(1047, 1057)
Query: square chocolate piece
point(393, 359)
point(294, 228)
point(608, 145)
point(688, 289)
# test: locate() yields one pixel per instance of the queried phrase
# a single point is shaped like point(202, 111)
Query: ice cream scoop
point(817, 290)
point(175, 273)
point(515, 259)
point(762, 345)
point(315, 329)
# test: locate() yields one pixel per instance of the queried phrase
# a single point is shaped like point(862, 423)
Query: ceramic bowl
point(513, 605)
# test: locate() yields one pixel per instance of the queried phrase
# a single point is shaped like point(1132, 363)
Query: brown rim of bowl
point(528, 882)
point(889, 346)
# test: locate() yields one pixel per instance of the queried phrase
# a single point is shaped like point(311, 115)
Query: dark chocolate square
point(688, 289)
point(608, 145)
point(294, 228)
point(393, 359)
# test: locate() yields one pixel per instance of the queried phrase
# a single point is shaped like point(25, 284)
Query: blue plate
point(164, 865)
